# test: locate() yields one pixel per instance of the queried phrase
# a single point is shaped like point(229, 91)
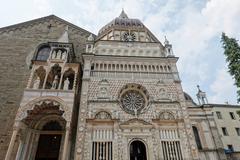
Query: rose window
point(129, 37)
point(133, 99)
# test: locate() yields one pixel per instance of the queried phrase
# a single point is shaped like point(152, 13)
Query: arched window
point(145, 68)
point(157, 68)
point(165, 68)
point(53, 77)
point(169, 68)
point(197, 138)
point(92, 67)
point(125, 67)
point(109, 67)
point(38, 78)
point(129, 67)
point(97, 66)
point(117, 66)
point(121, 66)
point(43, 53)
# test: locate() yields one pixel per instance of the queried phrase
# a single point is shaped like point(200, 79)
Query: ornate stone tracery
point(133, 98)
point(23, 110)
point(103, 115)
point(50, 118)
point(166, 115)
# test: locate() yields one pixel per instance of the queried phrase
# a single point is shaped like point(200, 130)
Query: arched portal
point(45, 130)
point(49, 141)
point(138, 151)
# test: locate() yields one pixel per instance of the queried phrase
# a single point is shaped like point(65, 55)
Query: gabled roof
point(39, 20)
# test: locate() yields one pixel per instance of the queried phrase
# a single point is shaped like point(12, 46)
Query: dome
point(122, 21)
point(187, 97)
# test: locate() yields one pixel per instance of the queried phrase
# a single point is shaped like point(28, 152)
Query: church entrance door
point(137, 151)
point(48, 147)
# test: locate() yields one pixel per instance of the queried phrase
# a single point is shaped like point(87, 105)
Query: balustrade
point(133, 75)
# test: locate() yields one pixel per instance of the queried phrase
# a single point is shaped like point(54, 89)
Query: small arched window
point(197, 137)
point(43, 53)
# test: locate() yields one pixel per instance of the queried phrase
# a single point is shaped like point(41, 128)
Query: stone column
point(65, 146)
point(26, 143)
point(12, 141)
point(19, 152)
point(61, 79)
point(31, 143)
point(75, 80)
point(45, 79)
point(30, 80)
point(35, 145)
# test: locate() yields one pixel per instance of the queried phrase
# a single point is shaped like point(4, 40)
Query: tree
point(232, 53)
point(238, 112)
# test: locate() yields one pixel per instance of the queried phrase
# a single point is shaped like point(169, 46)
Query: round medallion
point(133, 99)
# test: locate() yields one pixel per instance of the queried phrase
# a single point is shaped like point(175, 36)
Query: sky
point(193, 27)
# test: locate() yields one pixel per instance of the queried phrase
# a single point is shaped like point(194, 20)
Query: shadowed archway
point(49, 143)
point(138, 151)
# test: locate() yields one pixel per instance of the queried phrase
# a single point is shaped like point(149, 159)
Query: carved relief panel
point(165, 91)
point(103, 90)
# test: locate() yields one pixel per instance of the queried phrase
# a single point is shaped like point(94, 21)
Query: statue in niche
point(55, 82)
point(36, 83)
point(54, 54)
point(59, 54)
point(64, 55)
point(66, 84)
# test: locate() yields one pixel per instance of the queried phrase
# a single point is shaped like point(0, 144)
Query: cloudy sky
point(194, 28)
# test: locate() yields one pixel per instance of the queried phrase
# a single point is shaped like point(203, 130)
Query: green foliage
point(232, 53)
point(238, 112)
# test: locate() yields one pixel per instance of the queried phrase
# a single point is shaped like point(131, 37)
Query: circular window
point(129, 36)
point(133, 99)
